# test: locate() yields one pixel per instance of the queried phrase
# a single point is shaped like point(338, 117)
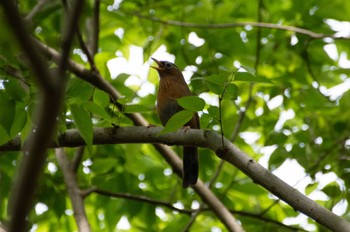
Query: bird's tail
point(190, 166)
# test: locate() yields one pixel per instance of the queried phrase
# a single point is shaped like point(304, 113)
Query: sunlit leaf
point(97, 110)
point(83, 122)
point(103, 165)
point(101, 98)
point(191, 103)
point(214, 111)
point(246, 76)
point(134, 108)
point(250, 70)
point(231, 91)
point(310, 188)
point(177, 120)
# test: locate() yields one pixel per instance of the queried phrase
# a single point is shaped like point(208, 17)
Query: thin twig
point(221, 164)
point(238, 24)
point(311, 72)
point(242, 113)
point(192, 220)
point(14, 73)
point(134, 198)
point(68, 34)
point(77, 158)
point(86, 50)
point(87, 192)
point(35, 10)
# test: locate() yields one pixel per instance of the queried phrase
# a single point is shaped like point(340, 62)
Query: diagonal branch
point(134, 198)
point(73, 190)
point(87, 192)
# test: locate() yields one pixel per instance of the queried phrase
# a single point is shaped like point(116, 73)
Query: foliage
point(280, 86)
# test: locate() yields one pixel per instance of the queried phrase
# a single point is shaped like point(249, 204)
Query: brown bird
point(172, 85)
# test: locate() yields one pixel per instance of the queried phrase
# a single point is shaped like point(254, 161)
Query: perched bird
point(172, 85)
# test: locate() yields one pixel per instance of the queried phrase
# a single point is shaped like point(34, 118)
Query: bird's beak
point(160, 65)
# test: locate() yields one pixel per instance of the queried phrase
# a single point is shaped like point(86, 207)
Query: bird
point(172, 86)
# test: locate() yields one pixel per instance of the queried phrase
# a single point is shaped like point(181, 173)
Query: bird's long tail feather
point(190, 163)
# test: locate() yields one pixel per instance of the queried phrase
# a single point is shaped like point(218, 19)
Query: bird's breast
point(170, 90)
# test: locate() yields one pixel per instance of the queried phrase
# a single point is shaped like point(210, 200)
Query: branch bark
point(73, 190)
point(229, 153)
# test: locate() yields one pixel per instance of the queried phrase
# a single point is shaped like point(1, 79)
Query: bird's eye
point(168, 65)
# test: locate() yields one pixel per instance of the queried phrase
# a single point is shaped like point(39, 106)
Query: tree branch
point(134, 198)
point(307, 60)
point(238, 24)
point(94, 24)
point(77, 158)
point(73, 190)
point(229, 153)
point(87, 192)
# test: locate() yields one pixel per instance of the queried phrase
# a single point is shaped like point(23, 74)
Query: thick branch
point(230, 153)
point(73, 190)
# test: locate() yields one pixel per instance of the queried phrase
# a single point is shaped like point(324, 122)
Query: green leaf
point(214, 112)
point(214, 88)
point(19, 120)
point(7, 116)
point(192, 103)
point(97, 110)
point(4, 136)
point(83, 122)
point(231, 92)
point(332, 190)
point(205, 120)
point(103, 165)
point(177, 120)
point(78, 91)
point(123, 100)
point(101, 98)
point(276, 138)
point(310, 188)
point(216, 83)
point(216, 79)
point(277, 158)
point(15, 90)
point(136, 108)
point(246, 76)
point(249, 69)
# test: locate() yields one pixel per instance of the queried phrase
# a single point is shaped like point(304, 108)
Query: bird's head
point(166, 68)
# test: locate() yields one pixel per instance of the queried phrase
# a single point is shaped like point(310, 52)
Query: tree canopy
point(80, 142)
